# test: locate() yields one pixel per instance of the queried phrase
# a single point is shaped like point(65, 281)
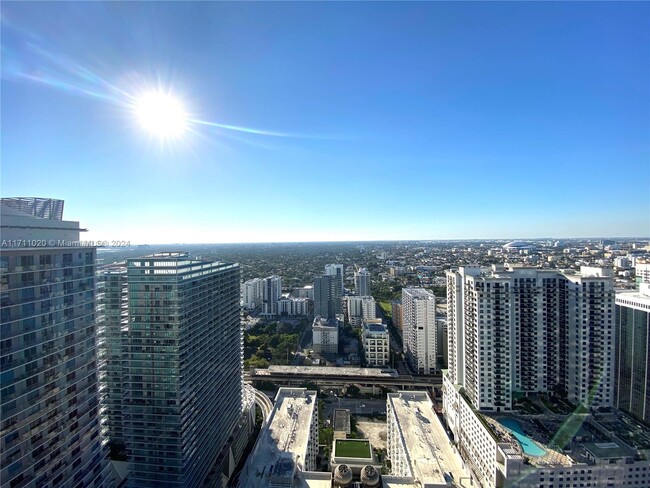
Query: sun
point(161, 114)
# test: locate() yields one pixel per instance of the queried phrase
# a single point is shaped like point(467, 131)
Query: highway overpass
point(329, 377)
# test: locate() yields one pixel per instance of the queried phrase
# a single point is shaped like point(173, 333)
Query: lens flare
point(161, 114)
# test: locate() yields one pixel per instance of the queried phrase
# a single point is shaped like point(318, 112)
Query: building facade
point(642, 269)
point(327, 296)
point(359, 308)
point(51, 433)
point(252, 294)
point(531, 330)
point(362, 282)
point(337, 270)
point(112, 321)
point(633, 352)
point(325, 335)
point(271, 293)
point(295, 307)
point(376, 343)
point(419, 329)
point(182, 393)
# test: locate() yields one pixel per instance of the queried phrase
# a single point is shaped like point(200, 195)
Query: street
point(357, 406)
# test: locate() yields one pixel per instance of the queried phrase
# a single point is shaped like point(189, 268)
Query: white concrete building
point(531, 330)
point(643, 271)
point(303, 292)
point(418, 446)
point(622, 262)
point(362, 282)
point(271, 293)
point(419, 329)
point(376, 343)
point(325, 335)
point(497, 460)
point(251, 294)
point(286, 448)
point(294, 307)
point(359, 308)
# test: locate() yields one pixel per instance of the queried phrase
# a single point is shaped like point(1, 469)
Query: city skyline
point(484, 121)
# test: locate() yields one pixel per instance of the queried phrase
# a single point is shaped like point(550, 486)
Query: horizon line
point(632, 238)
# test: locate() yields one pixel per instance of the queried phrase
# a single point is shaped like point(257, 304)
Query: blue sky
point(405, 120)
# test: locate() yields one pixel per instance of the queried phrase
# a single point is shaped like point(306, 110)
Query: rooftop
point(426, 440)
point(341, 421)
point(281, 446)
point(419, 293)
point(375, 328)
point(352, 448)
point(323, 322)
point(578, 438)
point(327, 370)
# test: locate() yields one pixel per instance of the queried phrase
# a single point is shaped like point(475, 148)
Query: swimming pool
point(526, 442)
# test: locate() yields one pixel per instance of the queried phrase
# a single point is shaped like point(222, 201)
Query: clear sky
point(377, 120)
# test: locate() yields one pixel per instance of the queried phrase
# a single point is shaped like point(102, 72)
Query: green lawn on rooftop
point(352, 449)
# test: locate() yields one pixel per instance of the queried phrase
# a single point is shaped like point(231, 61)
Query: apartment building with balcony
point(419, 329)
point(530, 330)
point(51, 434)
point(182, 367)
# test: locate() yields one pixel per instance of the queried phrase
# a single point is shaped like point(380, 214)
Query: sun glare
point(161, 115)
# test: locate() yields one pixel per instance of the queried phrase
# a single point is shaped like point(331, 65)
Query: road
point(355, 405)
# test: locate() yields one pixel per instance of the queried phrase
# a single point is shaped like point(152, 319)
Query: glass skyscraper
point(182, 367)
point(633, 352)
point(49, 384)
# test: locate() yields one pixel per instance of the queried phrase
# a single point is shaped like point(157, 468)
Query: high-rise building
point(362, 282)
point(514, 331)
point(182, 393)
point(419, 329)
point(327, 296)
point(252, 294)
point(359, 308)
point(633, 352)
point(337, 270)
point(51, 433)
point(531, 330)
point(396, 307)
point(271, 293)
point(112, 322)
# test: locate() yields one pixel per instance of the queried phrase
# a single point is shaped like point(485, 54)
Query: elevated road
point(265, 405)
point(340, 377)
